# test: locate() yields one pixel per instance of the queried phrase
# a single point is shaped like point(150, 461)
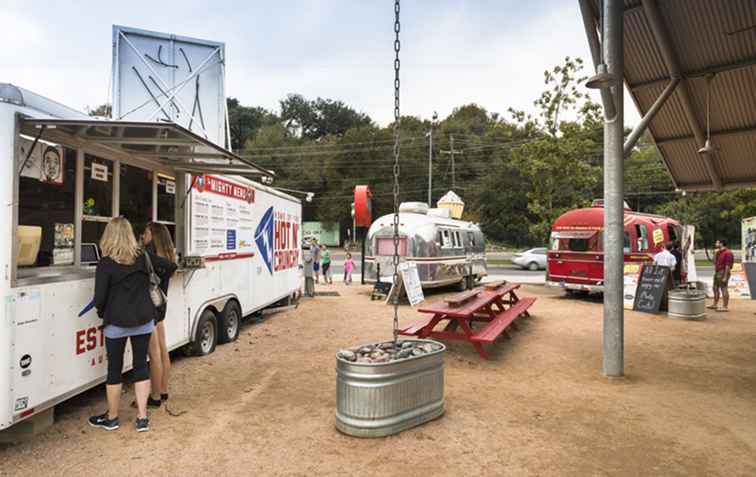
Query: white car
point(533, 259)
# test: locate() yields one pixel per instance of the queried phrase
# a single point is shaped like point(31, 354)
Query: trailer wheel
point(207, 334)
point(230, 322)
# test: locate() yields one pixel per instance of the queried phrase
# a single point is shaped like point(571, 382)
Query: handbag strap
point(150, 269)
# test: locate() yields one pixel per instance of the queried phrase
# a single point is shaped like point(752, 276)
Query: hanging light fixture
point(602, 79)
point(708, 148)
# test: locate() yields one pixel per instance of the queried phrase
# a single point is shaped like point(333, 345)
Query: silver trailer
point(446, 251)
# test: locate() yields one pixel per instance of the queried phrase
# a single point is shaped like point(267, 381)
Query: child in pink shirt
point(348, 267)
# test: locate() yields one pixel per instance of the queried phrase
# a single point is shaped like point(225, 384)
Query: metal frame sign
point(165, 77)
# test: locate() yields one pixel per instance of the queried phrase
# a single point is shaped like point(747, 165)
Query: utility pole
point(430, 159)
point(451, 152)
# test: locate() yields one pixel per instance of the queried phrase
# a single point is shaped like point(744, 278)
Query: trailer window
point(446, 241)
point(578, 244)
point(166, 199)
point(457, 240)
point(642, 233)
point(626, 243)
point(386, 246)
point(98, 187)
point(135, 201)
point(46, 207)
point(471, 239)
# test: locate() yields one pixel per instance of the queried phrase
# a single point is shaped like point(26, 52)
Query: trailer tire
point(230, 322)
point(206, 337)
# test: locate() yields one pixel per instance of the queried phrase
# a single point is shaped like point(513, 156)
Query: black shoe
point(142, 425)
point(103, 422)
point(150, 402)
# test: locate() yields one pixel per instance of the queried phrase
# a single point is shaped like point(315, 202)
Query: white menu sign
point(221, 223)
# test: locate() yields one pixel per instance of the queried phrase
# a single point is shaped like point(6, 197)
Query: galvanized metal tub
point(686, 304)
point(381, 399)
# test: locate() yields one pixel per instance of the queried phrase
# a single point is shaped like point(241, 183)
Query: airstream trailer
point(446, 251)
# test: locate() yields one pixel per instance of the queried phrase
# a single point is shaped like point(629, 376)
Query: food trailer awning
point(166, 143)
point(673, 45)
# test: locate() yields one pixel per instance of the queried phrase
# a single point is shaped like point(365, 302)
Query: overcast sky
point(491, 52)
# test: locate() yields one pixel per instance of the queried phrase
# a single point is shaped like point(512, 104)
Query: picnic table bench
point(497, 305)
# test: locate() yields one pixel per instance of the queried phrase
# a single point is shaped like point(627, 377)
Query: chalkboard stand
point(651, 294)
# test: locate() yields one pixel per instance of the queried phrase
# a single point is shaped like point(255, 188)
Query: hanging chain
point(397, 47)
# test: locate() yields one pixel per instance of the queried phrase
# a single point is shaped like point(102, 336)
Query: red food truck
point(575, 259)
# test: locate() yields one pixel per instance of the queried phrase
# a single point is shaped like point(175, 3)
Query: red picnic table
point(497, 305)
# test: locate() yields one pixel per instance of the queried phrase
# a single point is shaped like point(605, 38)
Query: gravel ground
point(265, 404)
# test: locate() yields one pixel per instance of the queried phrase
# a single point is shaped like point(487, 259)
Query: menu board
point(221, 218)
point(412, 285)
point(652, 288)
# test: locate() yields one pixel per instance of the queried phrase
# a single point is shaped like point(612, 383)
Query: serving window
point(46, 205)
point(135, 197)
point(66, 198)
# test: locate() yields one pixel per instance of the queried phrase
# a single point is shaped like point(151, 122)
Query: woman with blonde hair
point(123, 303)
point(157, 241)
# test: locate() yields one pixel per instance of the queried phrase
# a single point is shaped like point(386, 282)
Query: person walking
point(325, 261)
point(157, 241)
point(723, 262)
point(348, 268)
point(122, 300)
point(309, 272)
point(315, 250)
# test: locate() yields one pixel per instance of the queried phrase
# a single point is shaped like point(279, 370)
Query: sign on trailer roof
point(165, 77)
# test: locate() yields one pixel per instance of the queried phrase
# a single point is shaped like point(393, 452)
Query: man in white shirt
point(666, 259)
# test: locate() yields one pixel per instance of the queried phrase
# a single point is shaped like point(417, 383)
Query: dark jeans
point(115, 348)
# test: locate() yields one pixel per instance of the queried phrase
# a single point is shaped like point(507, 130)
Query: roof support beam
point(651, 10)
point(174, 141)
point(641, 127)
point(721, 132)
point(589, 22)
point(700, 73)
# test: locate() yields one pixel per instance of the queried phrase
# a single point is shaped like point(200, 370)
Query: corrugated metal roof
point(705, 35)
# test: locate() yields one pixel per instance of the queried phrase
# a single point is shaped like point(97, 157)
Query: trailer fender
point(216, 304)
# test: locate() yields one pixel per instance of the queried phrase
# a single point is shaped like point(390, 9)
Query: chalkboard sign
point(652, 288)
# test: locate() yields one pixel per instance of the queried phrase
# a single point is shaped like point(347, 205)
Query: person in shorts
point(723, 262)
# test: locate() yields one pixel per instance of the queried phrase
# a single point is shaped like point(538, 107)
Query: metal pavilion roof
point(687, 40)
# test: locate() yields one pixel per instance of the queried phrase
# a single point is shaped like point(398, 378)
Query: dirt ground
point(265, 405)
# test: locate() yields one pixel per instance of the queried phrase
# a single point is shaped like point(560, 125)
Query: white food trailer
point(63, 175)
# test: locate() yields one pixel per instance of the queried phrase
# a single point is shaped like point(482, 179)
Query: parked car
point(533, 259)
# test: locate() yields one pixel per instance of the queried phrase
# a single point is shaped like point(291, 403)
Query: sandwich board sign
point(408, 283)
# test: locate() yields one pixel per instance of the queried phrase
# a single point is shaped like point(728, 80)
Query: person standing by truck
point(123, 302)
point(326, 262)
point(157, 241)
point(666, 258)
point(309, 272)
point(315, 250)
point(723, 262)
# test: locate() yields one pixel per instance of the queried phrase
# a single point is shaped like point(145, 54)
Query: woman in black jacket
point(123, 302)
point(158, 243)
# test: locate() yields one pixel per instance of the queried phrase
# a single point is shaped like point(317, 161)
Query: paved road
point(511, 273)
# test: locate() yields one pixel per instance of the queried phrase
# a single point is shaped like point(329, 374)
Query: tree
point(244, 121)
point(320, 118)
point(104, 110)
point(560, 162)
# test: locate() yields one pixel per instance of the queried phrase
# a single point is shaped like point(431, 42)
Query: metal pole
point(613, 196)
point(430, 165)
point(640, 128)
point(586, 9)
point(451, 140)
